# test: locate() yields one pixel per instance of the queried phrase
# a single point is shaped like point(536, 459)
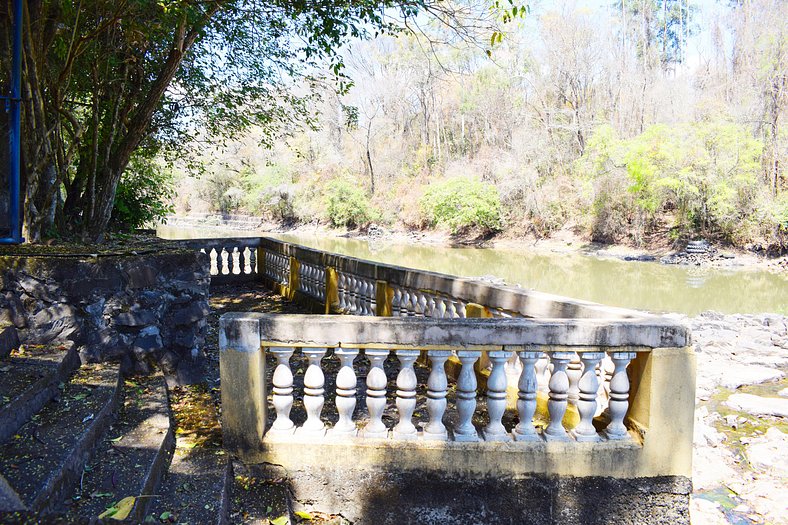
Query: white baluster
point(372, 298)
point(404, 302)
point(243, 261)
point(395, 301)
point(283, 390)
point(235, 258)
point(214, 257)
point(321, 283)
point(461, 310)
point(526, 397)
point(353, 295)
point(436, 396)
point(586, 402)
point(421, 305)
point(342, 291)
point(451, 310)
point(361, 300)
point(224, 262)
point(406, 395)
point(346, 392)
point(496, 396)
point(466, 396)
point(440, 308)
point(365, 298)
point(619, 396)
point(314, 380)
point(556, 404)
point(376, 394)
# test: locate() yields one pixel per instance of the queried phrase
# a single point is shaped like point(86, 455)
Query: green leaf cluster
point(347, 205)
point(144, 195)
point(462, 203)
point(705, 173)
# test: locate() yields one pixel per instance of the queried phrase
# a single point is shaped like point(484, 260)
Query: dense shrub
point(347, 204)
point(269, 192)
point(705, 174)
point(462, 203)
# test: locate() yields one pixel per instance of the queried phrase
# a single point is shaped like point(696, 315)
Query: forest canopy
point(629, 121)
point(109, 84)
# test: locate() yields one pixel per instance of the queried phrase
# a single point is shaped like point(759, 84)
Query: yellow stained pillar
point(292, 281)
point(384, 295)
point(332, 290)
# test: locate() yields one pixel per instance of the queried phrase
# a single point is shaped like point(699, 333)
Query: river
point(643, 285)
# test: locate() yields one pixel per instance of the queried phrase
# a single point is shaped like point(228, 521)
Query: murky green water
point(643, 285)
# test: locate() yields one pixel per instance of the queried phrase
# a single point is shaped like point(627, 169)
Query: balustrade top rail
point(503, 301)
point(354, 331)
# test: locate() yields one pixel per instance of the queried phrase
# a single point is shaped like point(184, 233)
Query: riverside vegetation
point(622, 124)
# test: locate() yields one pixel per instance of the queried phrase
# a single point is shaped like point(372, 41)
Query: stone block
point(135, 318)
point(9, 340)
point(194, 312)
point(141, 276)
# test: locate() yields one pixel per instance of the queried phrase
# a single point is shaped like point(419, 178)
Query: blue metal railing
point(15, 106)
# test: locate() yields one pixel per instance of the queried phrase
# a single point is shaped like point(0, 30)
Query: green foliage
point(462, 203)
point(144, 195)
point(705, 172)
point(347, 204)
point(268, 192)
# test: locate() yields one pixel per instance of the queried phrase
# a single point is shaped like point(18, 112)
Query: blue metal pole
point(15, 131)
point(16, 123)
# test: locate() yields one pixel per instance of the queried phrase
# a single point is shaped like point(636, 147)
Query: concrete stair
point(47, 454)
point(131, 457)
point(30, 380)
point(78, 439)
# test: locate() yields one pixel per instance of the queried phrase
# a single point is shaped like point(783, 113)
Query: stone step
point(196, 488)
point(31, 376)
point(45, 458)
point(260, 494)
point(132, 456)
point(197, 485)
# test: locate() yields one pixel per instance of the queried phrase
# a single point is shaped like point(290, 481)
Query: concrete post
point(384, 296)
point(293, 279)
point(242, 373)
point(332, 290)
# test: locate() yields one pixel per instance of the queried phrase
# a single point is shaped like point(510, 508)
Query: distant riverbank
point(562, 241)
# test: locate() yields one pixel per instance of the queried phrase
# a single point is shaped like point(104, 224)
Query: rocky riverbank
point(741, 433)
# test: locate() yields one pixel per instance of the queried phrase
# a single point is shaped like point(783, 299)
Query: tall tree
point(105, 80)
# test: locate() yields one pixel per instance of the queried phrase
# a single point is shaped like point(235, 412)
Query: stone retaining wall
point(136, 309)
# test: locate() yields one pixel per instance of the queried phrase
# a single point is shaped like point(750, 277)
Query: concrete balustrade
point(516, 385)
point(644, 430)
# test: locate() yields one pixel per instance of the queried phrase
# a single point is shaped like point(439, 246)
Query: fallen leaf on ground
point(121, 510)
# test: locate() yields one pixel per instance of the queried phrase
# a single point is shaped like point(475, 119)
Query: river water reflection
point(643, 285)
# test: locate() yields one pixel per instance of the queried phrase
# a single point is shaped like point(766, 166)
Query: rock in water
point(759, 406)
